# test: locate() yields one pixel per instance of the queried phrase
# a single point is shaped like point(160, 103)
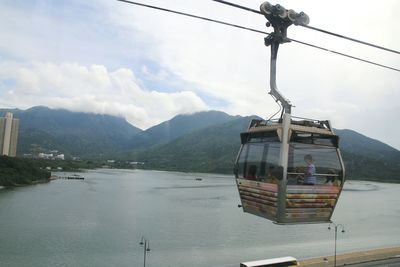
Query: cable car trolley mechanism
point(288, 170)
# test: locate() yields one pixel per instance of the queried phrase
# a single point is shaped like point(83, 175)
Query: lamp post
point(146, 248)
point(336, 228)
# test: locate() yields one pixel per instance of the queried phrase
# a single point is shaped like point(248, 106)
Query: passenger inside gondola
point(271, 177)
point(309, 177)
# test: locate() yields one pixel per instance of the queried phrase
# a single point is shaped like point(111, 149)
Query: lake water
point(100, 221)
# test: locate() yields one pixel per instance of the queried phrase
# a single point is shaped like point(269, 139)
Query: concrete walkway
point(352, 258)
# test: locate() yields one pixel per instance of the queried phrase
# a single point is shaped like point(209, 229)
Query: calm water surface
point(99, 222)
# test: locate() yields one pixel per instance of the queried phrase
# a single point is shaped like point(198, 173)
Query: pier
point(71, 177)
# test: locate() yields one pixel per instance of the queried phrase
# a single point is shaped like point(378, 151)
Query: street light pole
point(336, 228)
point(146, 248)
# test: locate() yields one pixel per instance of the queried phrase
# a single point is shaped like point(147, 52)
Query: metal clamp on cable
point(280, 19)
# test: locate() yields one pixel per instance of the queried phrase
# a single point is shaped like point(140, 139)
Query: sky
point(109, 57)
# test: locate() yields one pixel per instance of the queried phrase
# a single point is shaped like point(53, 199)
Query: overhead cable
point(313, 28)
point(192, 16)
point(345, 55)
point(257, 31)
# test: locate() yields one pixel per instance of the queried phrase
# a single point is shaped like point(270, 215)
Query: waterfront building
point(8, 135)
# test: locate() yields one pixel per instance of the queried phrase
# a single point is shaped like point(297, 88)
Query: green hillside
point(214, 149)
point(200, 142)
point(368, 159)
point(18, 171)
point(178, 126)
point(72, 133)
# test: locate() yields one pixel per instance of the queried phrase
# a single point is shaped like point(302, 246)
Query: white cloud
point(91, 89)
point(233, 65)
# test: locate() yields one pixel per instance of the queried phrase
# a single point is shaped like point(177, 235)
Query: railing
point(317, 174)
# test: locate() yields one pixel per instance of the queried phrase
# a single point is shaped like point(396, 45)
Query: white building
point(8, 135)
point(60, 156)
point(51, 156)
point(45, 155)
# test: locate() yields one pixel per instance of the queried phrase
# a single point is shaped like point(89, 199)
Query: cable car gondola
point(288, 170)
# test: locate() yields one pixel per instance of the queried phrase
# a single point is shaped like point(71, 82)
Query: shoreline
point(35, 182)
point(353, 257)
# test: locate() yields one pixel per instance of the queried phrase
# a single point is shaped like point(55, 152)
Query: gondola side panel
point(310, 204)
point(258, 198)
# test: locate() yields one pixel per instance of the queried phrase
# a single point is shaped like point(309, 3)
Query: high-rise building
point(8, 135)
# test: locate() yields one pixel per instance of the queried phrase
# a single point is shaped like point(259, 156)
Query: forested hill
point(73, 133)
point(176, 127)
point(200, 142)
point(214, 149)
point(366, 158)
point(19, 171)
point(211, 149)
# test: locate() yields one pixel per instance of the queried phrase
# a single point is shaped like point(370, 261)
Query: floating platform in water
point(72, 177)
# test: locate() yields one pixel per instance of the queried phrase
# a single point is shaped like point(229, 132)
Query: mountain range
point(73, 133)
point(199, 142)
